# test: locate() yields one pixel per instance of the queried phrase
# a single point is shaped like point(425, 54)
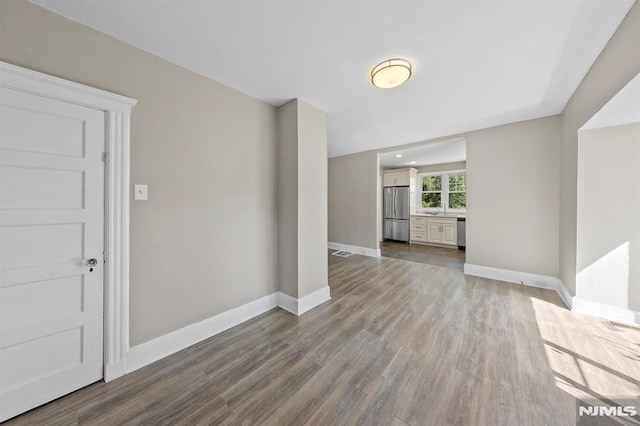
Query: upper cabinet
point(400, 177)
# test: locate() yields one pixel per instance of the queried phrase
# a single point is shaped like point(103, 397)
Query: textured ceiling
point(477, 63)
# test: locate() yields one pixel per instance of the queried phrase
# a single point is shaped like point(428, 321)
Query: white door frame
point(117, 111)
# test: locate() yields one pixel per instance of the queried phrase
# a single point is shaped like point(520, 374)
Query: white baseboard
point(565, 294)
point(609, 312)
point(160, 347)
point(365, 251)
point(113, 371)
point(575, 304)
point(532, 280)
point(303, 304)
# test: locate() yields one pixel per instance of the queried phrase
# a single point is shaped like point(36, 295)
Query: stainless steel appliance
point(396, 213)
point(462, 233)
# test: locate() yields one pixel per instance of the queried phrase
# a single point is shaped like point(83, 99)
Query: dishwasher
point(462, 233)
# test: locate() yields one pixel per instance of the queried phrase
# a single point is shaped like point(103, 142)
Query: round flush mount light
point(390, 73)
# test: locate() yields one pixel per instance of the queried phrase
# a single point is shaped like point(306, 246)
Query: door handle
point(91, 263)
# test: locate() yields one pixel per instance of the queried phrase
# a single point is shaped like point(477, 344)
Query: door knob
point(91, 262)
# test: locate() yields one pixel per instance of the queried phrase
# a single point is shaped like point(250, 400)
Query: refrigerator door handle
point(395, 211)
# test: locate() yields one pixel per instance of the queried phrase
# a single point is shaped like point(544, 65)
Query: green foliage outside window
point(457, 200)
point(435, 191)
point(432, 183)
point(431, 200)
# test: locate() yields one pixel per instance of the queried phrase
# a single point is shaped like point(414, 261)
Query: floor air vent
point(341, 253)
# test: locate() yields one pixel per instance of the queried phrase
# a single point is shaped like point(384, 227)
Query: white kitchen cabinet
point(433, 233)
point(442, 231)
point(418, 230)
point(400, 177)
point(450, 233)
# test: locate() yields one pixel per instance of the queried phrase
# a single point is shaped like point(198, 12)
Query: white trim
point(167, 344)
point(565, 294)
point(117, 110)
point(365, 251)
point(314, 299)
point(288, 303)
point(609, 312)
point(29, 81)
point(305, 303)
point(532, 280)
point(116, 303)
point(575, 304)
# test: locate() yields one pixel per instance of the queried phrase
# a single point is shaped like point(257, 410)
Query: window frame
point(444, 193)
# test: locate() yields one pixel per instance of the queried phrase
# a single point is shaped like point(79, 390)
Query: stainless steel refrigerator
point(396, 213)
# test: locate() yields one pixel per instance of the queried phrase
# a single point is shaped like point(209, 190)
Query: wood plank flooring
point(400, 343)
point(431, 255)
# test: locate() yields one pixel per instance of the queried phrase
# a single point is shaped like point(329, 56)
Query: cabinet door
point(450, 234)
point(390, 179)
point(403, 179)
point(433, 233)
point(418, 236)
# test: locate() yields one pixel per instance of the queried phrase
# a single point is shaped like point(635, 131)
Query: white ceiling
point(427, 154)
point(476, 63)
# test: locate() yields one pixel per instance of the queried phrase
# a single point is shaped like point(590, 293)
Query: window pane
point(431, 200)
point(432, 183)
point(457, 182)
point(457, 200)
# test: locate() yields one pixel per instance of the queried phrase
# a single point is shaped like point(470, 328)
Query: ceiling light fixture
point(391, 73)
point(398, 155)
point(413, 162)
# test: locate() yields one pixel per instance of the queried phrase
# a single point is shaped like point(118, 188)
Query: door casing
point(117, 110)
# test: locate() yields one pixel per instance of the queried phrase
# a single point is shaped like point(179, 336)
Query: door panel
point(433, 233)
point(51, 220)
point(449, 234)
point(388, 202)
point(402, 203)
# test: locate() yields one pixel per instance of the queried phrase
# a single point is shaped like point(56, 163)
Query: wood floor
point(431, 255)
point(399, 343)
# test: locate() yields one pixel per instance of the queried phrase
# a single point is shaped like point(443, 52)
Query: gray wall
point(288, 197)
point(618, 63)
point(433, 168)
point(512, 196)
point(205, 242)
point(312, 199)
point(302, 198)
point(608, 229)
point(353, 199)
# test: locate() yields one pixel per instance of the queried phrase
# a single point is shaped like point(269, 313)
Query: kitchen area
point(424, 205)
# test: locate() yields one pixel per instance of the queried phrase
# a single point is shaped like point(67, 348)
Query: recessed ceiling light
point(413, 162)
point(390, 73)
point(398, 155)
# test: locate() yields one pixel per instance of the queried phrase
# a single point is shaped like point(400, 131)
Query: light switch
point(140, 192)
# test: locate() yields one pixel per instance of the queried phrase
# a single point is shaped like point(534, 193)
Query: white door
point(51, 226)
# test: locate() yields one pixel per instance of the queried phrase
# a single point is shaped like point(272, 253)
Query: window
point(447, 189)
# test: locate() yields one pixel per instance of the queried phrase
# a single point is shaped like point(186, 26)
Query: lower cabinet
point(418, 229)
point(440, 231)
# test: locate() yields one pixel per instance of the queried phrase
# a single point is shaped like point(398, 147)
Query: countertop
point(435, 216)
